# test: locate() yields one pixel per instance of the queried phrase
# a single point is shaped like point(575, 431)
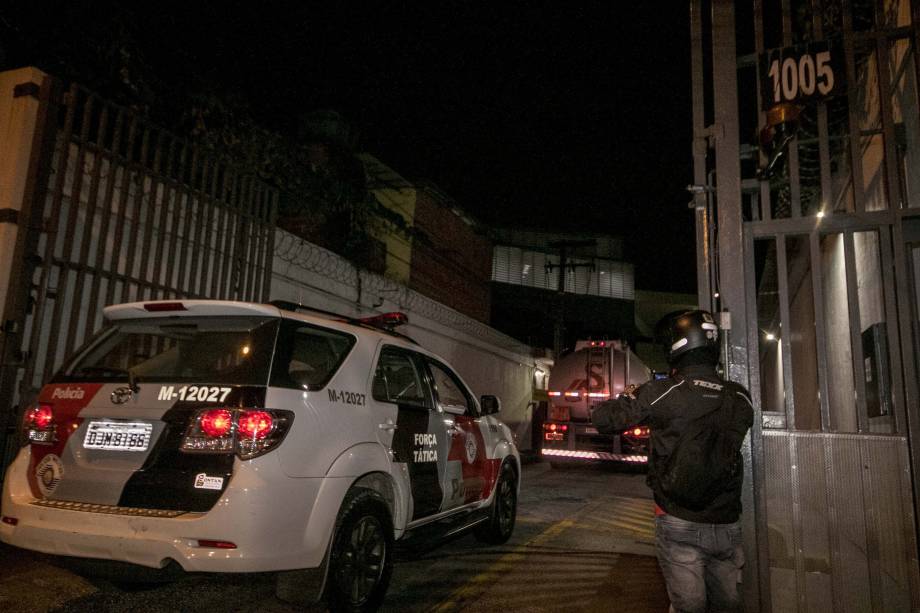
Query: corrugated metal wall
point(840, 522)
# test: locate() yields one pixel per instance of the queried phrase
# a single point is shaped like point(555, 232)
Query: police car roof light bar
point(387, 321)
point(378, 322)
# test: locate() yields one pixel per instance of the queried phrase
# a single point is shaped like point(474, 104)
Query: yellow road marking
point(501, 566)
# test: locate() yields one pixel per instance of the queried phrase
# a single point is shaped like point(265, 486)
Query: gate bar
point(87, 238)
point(105, 222)
point(53, 228)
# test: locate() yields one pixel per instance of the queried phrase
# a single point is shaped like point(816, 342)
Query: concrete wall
point(452, 262)
point(398, 196)
point(18, 117)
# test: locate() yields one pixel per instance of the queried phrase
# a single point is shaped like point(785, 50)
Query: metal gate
point(116, 210)
point(836, 390)
point(807, 207)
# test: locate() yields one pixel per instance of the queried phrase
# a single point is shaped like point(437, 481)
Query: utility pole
point(559, 320)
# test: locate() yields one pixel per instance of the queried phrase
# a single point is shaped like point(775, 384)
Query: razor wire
point(313, 258)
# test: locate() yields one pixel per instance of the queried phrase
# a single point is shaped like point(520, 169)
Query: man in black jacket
point(698, 543)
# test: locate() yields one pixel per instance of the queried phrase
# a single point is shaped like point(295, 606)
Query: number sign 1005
point(793, 74)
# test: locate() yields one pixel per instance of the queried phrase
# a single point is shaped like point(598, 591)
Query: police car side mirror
point(490, 404)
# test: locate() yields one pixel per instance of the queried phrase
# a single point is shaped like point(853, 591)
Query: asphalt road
point(583, 542)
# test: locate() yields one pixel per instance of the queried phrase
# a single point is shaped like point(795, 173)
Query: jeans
point(701, 564)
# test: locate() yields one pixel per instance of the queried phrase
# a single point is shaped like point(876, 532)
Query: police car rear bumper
point(270, 531)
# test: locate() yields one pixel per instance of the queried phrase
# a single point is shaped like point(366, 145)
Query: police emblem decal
point(49, 473)
point(471, 448)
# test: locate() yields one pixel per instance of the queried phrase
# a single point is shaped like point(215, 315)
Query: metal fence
point(121, 210)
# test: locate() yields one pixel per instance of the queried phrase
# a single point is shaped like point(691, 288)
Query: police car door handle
point(387, 425)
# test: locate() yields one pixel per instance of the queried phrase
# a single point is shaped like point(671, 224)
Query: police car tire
point(500, 525)
point(364, 511)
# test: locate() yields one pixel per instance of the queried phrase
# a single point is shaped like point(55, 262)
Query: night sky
point(570, 119)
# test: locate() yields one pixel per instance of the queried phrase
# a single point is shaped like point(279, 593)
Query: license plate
point(590, 430)
point(559, 413)
point(118, 436)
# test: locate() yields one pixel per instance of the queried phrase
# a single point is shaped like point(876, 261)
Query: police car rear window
point(235, 350)
point(308, 356)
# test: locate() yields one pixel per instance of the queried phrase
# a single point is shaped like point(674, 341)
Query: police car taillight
point(256, 424)
point(246, 432)
point(38, 425)
point(217, 423)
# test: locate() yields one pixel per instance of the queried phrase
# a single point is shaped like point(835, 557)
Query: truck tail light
point(637, 432)
point(38, 425)
point(246, 432)
point(554, 432)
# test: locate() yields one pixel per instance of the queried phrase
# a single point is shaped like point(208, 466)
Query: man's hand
point(630, 391)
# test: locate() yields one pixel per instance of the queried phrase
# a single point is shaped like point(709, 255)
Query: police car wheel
point(361, 559)
point(500, 525)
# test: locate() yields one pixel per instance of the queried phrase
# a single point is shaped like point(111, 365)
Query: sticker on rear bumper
point(204, 482)
point(49, 473)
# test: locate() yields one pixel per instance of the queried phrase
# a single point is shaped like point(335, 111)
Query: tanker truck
point(595, 371)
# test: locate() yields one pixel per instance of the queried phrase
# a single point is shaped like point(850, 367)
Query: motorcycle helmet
point(683, 331)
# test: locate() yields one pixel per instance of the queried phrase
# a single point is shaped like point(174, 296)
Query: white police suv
point(238, 437)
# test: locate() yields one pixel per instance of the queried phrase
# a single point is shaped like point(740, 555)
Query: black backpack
point(704, 459)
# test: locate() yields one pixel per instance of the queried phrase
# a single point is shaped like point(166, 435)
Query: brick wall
point(451, 262)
